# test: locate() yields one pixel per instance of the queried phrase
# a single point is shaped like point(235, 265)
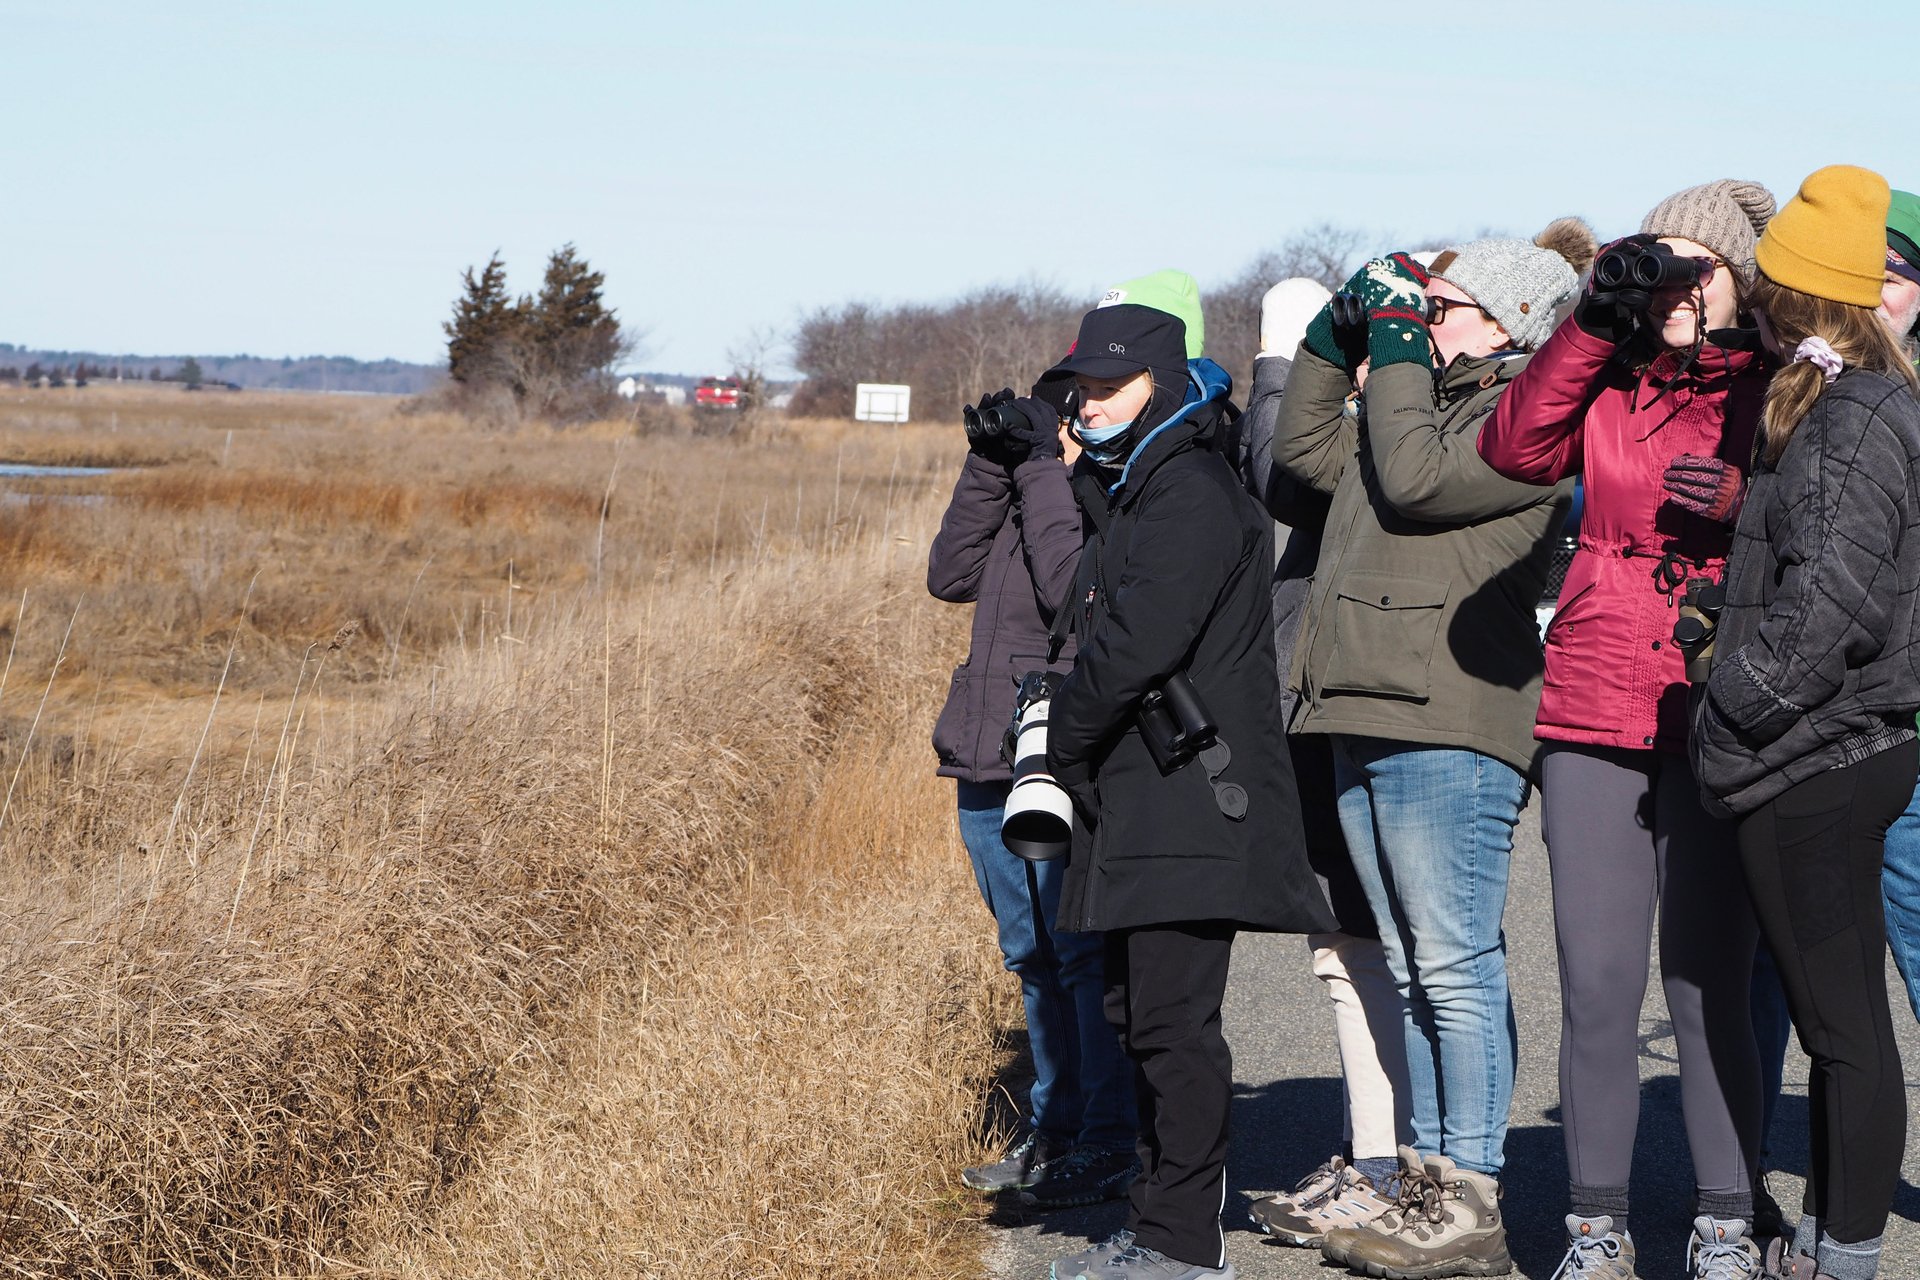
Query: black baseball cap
point(1119, 341)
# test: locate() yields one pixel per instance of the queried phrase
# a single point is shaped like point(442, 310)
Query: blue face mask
point(1105, 445)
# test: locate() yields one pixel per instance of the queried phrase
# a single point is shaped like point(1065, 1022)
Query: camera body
point(1037, 823)
point(1699, 618)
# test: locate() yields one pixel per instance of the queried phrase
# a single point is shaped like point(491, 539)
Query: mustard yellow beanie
point(1831, 239)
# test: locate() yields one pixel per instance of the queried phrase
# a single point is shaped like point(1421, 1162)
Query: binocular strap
point(1230, 796)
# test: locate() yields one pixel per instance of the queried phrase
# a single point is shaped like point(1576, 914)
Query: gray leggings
point(1624, 831)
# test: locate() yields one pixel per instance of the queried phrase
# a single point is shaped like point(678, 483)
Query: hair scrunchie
point(1822, 356)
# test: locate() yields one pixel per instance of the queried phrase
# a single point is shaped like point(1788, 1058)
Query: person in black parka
point(1174, 579)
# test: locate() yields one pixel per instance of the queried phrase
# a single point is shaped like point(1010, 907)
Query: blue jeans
point(1900, 886)
point(1431, 834)
point(1772, 1029)
point(1083, 1080)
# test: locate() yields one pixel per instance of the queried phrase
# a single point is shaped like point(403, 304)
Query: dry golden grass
point(368, 909)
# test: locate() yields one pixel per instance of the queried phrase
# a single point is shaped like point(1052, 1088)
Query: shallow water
point(11, 469)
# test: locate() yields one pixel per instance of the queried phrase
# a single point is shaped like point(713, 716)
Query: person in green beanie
point(1174, 854)
point(1900, 884)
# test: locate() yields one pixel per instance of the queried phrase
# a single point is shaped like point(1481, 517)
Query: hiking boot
point(1076, 1265)
point(1720, 1250)
point(1332, 1196)
point(1445, 1222)
point(1784, 1264)
point(1019, 1168)
point(1136, 1263)
point(1768, 1221)
point(1336, 1241)
point(1085, 1175)
point(1595, 1251)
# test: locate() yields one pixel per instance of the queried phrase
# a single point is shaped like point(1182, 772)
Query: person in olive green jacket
point(1420, 656)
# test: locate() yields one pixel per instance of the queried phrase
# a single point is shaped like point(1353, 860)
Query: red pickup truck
point(717, 393)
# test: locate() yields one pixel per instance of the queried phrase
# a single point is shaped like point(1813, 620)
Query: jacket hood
point(1207, 385)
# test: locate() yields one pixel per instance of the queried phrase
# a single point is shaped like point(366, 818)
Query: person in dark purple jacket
point(1009, 543)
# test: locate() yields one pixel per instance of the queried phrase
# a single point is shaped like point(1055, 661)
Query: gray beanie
point(1517, 282)
point(1726, 215)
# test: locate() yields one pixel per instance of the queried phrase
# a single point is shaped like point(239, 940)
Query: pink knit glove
point(1711, 487)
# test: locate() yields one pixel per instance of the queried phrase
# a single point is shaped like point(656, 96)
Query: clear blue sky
point(304, 178)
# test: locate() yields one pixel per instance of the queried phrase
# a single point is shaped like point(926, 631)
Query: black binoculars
point(1648, 266)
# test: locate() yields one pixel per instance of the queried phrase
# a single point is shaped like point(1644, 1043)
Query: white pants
point(1368, 1023)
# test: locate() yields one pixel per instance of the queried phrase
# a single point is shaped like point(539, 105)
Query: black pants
point(1164, 988)
point(1813, 857)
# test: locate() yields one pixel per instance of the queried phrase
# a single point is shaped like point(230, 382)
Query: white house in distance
point(631, 388)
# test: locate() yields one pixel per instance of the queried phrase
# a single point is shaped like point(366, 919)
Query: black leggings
point(1812, 856)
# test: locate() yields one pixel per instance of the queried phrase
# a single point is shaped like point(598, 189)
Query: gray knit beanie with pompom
point(1726, 215)
point(1520, 283)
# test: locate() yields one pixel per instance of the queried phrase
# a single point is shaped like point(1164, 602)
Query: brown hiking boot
point(1337, 1239)
point(1446, 1222)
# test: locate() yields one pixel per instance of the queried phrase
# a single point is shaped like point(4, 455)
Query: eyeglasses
point(1437, 308)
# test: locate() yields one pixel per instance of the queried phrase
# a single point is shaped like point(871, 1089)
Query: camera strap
point(1079, 601)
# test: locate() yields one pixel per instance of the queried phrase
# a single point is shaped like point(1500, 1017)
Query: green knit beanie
point(1173, 292)
point(1903, 228)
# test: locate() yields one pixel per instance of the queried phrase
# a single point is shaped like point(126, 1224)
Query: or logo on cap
point(1113, 298)
point(1118, 348)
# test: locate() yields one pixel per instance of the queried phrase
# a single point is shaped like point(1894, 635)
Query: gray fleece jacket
point(1815, 663)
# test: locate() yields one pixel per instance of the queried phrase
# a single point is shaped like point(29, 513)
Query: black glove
point(1605, 316)
point(1038, 436)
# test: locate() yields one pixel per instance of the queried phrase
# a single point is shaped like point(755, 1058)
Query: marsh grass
point(458, 854)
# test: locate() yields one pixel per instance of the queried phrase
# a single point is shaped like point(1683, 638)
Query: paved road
point(1287, 1116)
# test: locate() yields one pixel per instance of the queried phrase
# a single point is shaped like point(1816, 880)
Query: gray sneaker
point(1136, 1263)
point(1079, 1264)
point(1720, 1250)
point(1595, 1251)
point(1333, 1196)
point(1019, 1168)
point(1085, 1175)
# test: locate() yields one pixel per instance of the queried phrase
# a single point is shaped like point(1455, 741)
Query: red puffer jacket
point(1614, 677)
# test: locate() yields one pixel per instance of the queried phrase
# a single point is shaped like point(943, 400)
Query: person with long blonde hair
point(1805, 733)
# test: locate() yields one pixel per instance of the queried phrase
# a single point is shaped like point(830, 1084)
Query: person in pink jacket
point(1637, 395)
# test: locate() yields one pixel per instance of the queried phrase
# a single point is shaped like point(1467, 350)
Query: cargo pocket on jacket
point(1385, 629)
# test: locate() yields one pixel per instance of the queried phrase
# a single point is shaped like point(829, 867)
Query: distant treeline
point(952, 351)
point(286, 373)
